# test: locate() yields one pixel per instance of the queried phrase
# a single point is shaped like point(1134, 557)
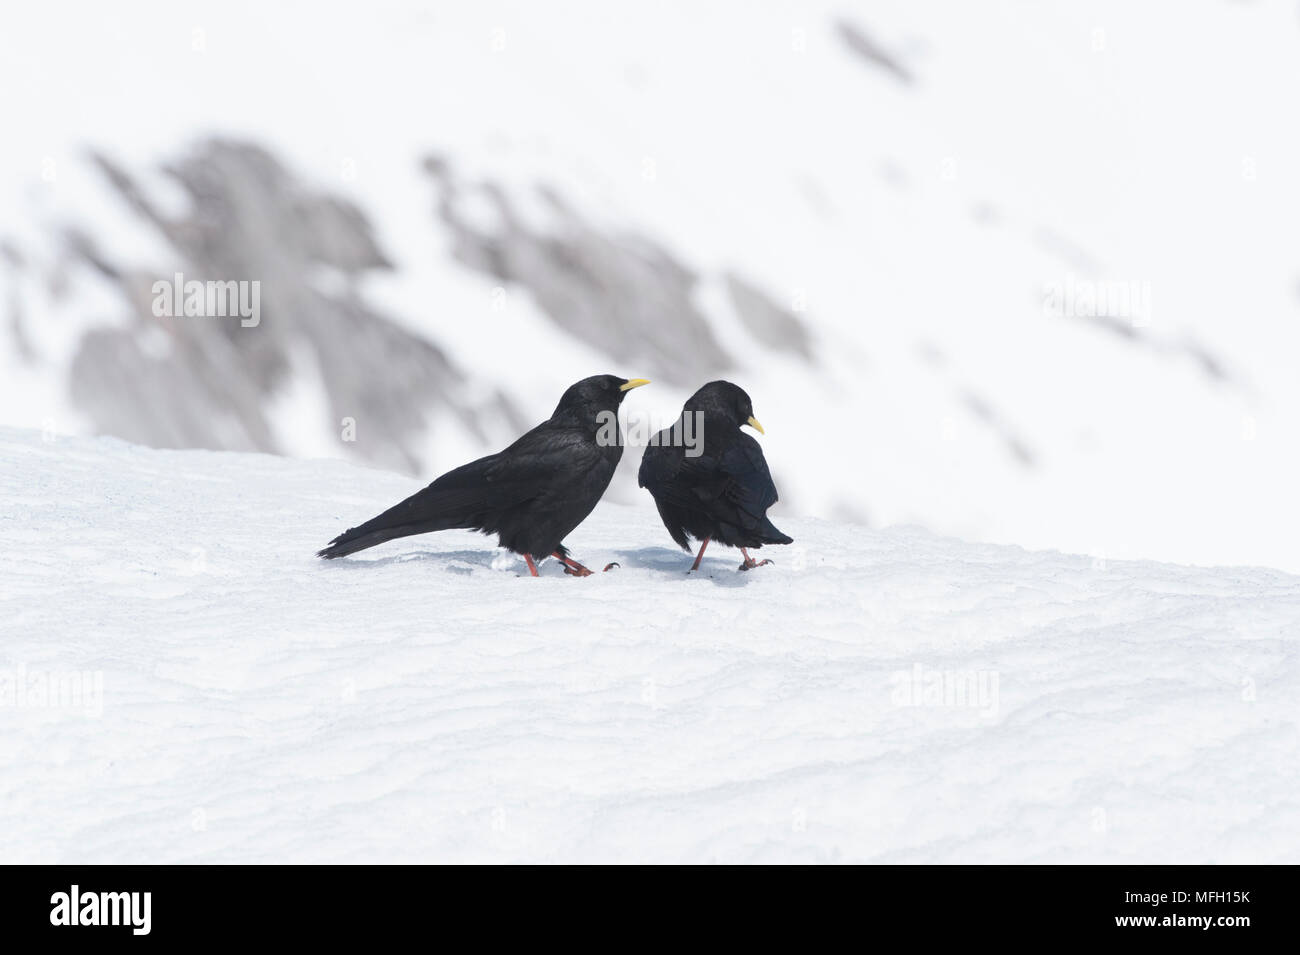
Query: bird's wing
point(659, 462)
point(737, 479)
point(467, 495)
point(538, 459)
point(749, 482)
point(746, 462)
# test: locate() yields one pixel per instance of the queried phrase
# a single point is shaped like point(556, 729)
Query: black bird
point(722, 493)
point(531, 495)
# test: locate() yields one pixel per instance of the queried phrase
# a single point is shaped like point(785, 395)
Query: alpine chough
point(721, 493)
point(531, 495)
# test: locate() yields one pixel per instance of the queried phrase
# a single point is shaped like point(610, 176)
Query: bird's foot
point(750, 563)
point(577, 570)
point(572, 567)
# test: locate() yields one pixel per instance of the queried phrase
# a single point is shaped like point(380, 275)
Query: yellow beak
point(634, 383)
point(753, 423)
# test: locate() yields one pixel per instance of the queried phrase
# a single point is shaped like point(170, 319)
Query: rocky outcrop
point(208, 382)
point(622, 293)
point(770, 323)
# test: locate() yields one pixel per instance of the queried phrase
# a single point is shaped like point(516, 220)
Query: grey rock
point(209, 382)
point(621, 293)
point(770, 323)
point(871, 51)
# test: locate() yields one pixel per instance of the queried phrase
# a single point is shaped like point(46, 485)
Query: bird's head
point(587, 398)
point(722, 399)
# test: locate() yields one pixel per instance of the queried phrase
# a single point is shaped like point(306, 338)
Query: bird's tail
point(459, 498)
point(359, 538)
point(773, 536)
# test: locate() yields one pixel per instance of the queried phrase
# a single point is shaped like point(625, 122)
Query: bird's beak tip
point(753, 423)
point(633, 383)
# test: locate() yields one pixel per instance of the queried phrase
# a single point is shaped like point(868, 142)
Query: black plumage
point(723, 493)
point(531, 495)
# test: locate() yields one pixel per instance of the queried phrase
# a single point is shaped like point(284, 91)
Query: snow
point(426, 701)
point(901, 217)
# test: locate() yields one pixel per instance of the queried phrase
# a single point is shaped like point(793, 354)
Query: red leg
point(750, 563)
point(532, 568)
point(571, 567)
point(700, 555)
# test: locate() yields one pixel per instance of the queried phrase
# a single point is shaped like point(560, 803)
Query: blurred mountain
point(622, 293)
point(211, 382)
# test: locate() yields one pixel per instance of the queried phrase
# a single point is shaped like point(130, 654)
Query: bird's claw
point(750, 563)
point(610, 566)
point(575, 569)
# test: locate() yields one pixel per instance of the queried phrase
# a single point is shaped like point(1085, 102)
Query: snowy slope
point(424, 701)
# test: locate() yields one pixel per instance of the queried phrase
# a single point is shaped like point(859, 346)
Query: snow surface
point(424, 701)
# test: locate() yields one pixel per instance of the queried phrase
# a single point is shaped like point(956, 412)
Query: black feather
point(531, 495)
